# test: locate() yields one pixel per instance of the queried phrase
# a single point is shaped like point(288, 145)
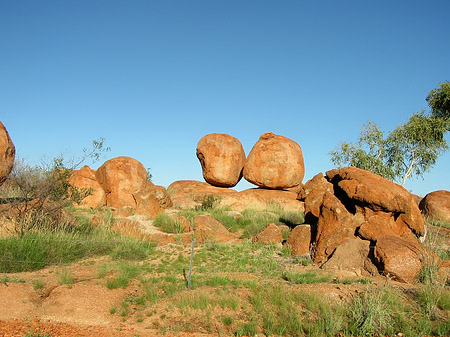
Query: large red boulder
point(367, 190)
point(84, 178)
point(125, 183)
point(313, 192)
point(352, 256)
point(436, 206)
point(7, 153)
point(352, 203)
point(335, 226)
point(222, 158)
point(401, 259)
point(275, 162)
point(299, 240)
point(120, 178)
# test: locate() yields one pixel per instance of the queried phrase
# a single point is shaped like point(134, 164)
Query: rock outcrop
point(190, 193)
point(352, 256)
point(275, 162)
point(206, 227)
point(84, 178)
point(401, 259)
point(351, 203)
point(7, 153)
point(436, 206)
point(299, 240)
point(125, 183)
point(271, 234)
point(222, 158)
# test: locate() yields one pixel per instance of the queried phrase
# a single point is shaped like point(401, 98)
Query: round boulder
point(222, 158)
point(121, 178)
point(85, 179)
point(7, 153)
point(275, 162)
point(436, 206)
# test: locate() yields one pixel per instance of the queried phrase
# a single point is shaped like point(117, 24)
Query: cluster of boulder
point(275, 162)
point(361, 220)
point(121, 183)
point(355, 220)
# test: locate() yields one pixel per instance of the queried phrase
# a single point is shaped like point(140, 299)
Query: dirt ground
point(79, 309)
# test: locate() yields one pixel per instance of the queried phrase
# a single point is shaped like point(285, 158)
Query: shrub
point(292, 219)
point(168, 224)
point(207, 202)
point(37, 195)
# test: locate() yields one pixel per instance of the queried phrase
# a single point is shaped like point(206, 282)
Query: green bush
point(168, 224)
point(208, 202)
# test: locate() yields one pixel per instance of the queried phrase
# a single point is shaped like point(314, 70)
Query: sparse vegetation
point(168, 224)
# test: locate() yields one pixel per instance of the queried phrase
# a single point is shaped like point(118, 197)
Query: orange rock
point(120, 178)
point(352, 256)
point(271, 234)
point(7, 153)
point(336, 225)
point(313, 192)
point(275, 162)
point(369, 190)
point(222, 158)
point(85, 178)
point(379, 224)
point(189, 193)
point(125, 183)
point(401, 258)
point(299, 240)
point(206, 227)
point(436, 206)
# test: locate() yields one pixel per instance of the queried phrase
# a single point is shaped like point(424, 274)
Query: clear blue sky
point(152, 77)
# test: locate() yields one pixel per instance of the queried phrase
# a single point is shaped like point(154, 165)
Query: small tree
point(439, 101)
point(369, 153)
point(414, 147)
point(411, 149)
point(37, 195)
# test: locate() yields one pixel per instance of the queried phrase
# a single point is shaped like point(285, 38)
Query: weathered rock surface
point(190, 193)
point(222, 158)
point(351, 203)
point(125, 183)
point(275, 162)
point(206, 227)
point(335, 226)
point(7, 153)
point(120, 178)
point(313, 192)
point(84, 178)
point(299, 240)
point(401, 259)
point(369, 190)
point(436, 206)
point(353, 256)
point(271, 234)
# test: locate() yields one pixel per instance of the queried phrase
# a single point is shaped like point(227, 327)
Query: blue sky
point(153, 77)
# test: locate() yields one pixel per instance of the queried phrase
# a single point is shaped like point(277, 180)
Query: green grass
point(126, 271)
point(35, 251)
point(309, 277)
point(168, 224)
point(37, 284)
point(65, 276)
